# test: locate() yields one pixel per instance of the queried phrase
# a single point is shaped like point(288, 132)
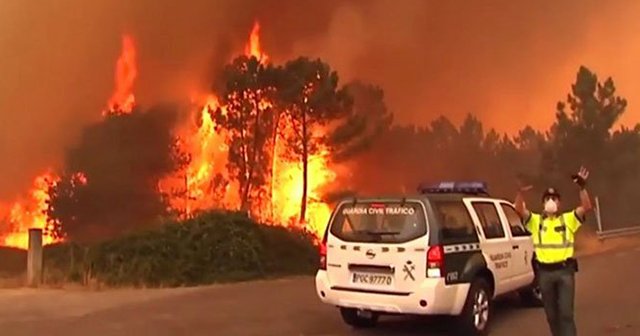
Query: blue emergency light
point(455, 187)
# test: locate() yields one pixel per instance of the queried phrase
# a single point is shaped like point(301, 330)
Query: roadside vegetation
point(212, 247)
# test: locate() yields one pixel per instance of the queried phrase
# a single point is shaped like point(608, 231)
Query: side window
point(456, 225)
point(489, 220)
point(515, 223)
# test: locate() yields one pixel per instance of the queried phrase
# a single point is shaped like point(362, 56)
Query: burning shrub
point(212, 247)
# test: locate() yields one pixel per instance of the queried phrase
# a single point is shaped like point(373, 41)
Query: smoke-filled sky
point(506, 61)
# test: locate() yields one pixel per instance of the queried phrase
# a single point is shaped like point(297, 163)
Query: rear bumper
point(440, 299)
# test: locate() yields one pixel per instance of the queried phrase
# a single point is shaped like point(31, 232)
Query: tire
point(531, 296)
point(358, 319)
point(476, 315)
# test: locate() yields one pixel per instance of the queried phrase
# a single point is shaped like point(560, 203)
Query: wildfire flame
point(16, 219)
point(205, 183)
point(28, 213)
point(281, 206)
point(123, 100)
point(252, 48)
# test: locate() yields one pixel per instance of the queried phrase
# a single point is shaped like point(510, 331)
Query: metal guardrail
point(615, 232)
point(618, 232)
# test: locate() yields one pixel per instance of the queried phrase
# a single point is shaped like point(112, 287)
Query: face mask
point(550, 206)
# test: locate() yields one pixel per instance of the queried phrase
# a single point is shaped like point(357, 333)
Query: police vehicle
point(450, 250)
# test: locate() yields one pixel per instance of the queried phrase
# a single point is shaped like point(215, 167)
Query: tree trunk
point(274, 143)
point(243, 176)
point(305, 161)
point(253, 159)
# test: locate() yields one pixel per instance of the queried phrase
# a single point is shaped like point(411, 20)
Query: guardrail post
point(598, 216)
point(34, 258)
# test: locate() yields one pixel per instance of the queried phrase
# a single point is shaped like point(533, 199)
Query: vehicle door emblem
point(370, 254)
point(408, 269)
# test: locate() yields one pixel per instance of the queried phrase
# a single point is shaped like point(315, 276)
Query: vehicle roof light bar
point(454, 187)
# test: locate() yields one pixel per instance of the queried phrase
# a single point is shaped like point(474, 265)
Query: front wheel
point(474, 319)
point(359, 318)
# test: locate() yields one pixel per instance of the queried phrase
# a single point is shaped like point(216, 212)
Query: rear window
point(456, 225)
point(379, 222)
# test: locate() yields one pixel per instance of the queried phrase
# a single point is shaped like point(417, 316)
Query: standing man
point(553, 236)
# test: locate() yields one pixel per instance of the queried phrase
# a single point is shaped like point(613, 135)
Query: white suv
point(448, 251)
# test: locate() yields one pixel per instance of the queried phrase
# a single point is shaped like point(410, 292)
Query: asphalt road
point(608, 303)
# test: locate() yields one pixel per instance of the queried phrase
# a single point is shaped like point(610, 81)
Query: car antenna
point(404, 200)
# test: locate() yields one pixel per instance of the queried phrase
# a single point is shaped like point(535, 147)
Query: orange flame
point(252, 48)
point(123, 100)
point(207, 183)
point(286, 196)
point(24, 214)
point(28, 213)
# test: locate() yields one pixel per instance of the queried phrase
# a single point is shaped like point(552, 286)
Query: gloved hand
point(581, 177)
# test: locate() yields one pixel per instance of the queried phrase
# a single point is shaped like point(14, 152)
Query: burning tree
point(248, 119)
point(279, 118)
point(310, 95)
point(262, 144)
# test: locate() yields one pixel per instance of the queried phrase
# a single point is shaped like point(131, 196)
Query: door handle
point(515, 247)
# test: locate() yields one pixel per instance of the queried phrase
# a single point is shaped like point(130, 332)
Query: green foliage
point(212, 247)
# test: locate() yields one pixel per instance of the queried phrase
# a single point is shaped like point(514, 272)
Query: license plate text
point(372, 279)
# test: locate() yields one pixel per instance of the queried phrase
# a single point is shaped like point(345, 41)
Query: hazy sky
point(507, 61)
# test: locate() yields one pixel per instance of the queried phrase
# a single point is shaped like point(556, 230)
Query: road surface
point(608, 303)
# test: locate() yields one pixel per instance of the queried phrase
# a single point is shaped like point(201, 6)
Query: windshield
point(384, 222)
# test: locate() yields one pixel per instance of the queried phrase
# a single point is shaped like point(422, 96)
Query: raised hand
point(581, 177)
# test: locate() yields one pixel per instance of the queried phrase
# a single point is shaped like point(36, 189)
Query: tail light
point(435, 262)
point(323, 255)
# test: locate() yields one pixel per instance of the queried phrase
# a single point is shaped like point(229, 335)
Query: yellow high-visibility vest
point(553, 237)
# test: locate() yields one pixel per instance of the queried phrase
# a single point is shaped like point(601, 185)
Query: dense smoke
point(497, 59)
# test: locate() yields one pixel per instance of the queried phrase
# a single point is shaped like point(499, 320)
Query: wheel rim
point(480, 310)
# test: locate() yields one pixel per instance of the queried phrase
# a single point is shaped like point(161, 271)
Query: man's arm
point(585, 204)
point(585, 201)
point(521, 207)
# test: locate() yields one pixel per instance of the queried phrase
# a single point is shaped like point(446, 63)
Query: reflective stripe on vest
point(565, 241)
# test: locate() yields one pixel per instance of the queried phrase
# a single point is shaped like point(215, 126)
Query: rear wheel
point(476, 314)
point(359, 318)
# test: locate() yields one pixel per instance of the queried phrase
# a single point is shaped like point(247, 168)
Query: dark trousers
point(558, 292)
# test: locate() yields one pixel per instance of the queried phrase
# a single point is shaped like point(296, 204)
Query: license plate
point(372, 279)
